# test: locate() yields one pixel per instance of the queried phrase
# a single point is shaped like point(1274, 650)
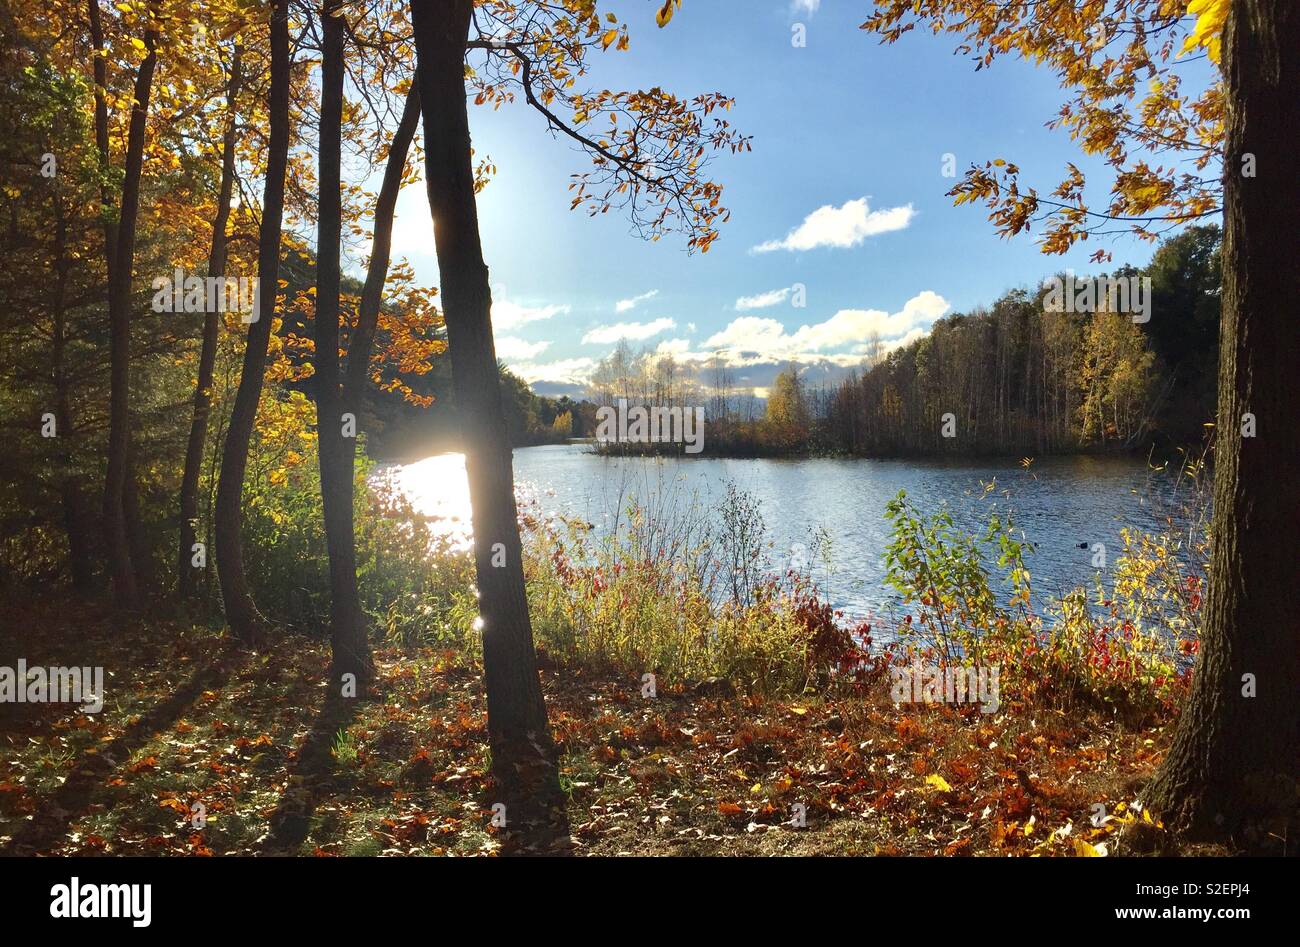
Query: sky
point(840, 225)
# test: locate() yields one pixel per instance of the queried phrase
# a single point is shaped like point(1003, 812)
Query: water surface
point(1059, 503)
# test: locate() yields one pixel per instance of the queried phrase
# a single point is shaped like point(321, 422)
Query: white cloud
point(844, 226)
point(904, 341)
point(674, 347)
point(754, 339)
point(806, 7)
point(623, 305)
point(628, 330)
point(749, 334)
point(761, 301)
point(513, 348)
point(511, 315)
point(758, 347)
point(567, 371)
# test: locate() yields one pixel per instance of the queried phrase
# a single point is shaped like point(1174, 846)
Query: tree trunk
point(1234, 759)
point(99, 69)
point(348, 636)
point(80, 566)
point(189, 503)
point(241, 612)
point(137, 540)
point(522, 752)
point(372, 294)
point(117, 531)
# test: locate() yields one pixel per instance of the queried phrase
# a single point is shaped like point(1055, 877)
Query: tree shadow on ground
point(291, 821)
point(75, 796)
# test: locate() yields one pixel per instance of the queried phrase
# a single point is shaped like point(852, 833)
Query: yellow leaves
point(666, 12)
point(1211, 15)
point(1084, 850)
point(938, 783)
point(608, 38)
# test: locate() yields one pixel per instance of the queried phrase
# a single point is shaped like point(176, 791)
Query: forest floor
point(204, 748)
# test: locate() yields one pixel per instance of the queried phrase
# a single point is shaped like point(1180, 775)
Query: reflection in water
point(1060, 503)
point(436, 487)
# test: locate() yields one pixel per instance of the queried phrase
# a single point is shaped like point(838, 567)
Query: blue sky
point(844, 124)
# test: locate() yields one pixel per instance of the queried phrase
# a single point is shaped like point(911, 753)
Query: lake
point(1059, 503)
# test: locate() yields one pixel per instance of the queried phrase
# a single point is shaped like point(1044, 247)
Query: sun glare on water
point(437, 487)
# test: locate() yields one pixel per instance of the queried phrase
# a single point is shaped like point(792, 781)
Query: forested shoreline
point(1012, 379)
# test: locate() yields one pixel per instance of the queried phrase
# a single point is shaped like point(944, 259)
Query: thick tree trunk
point(1233, 764)
point(241, 612)
point(189, 502)
point(522, 752)
point(117, 531)
point(348, 633)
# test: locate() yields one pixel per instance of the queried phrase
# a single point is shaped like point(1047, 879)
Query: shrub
point(685, 599)
point(1128, 650)
point(416, 585)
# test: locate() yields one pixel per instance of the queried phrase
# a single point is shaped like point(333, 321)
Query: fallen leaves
point(685, 773)
point(936, 781)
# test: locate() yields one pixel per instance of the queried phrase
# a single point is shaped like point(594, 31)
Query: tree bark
point(80, 566)
point(242, 615)
point(1232, 767)
point(99, 68)
point(523, 762)
point(348, 633)
point(372, 293)
point(117, 531)
point(189, 500)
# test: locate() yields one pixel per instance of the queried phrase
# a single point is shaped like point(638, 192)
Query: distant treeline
point(1018, 378)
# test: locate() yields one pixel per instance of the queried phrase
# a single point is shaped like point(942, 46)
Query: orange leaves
point(1101, 53)
point(908, 729)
